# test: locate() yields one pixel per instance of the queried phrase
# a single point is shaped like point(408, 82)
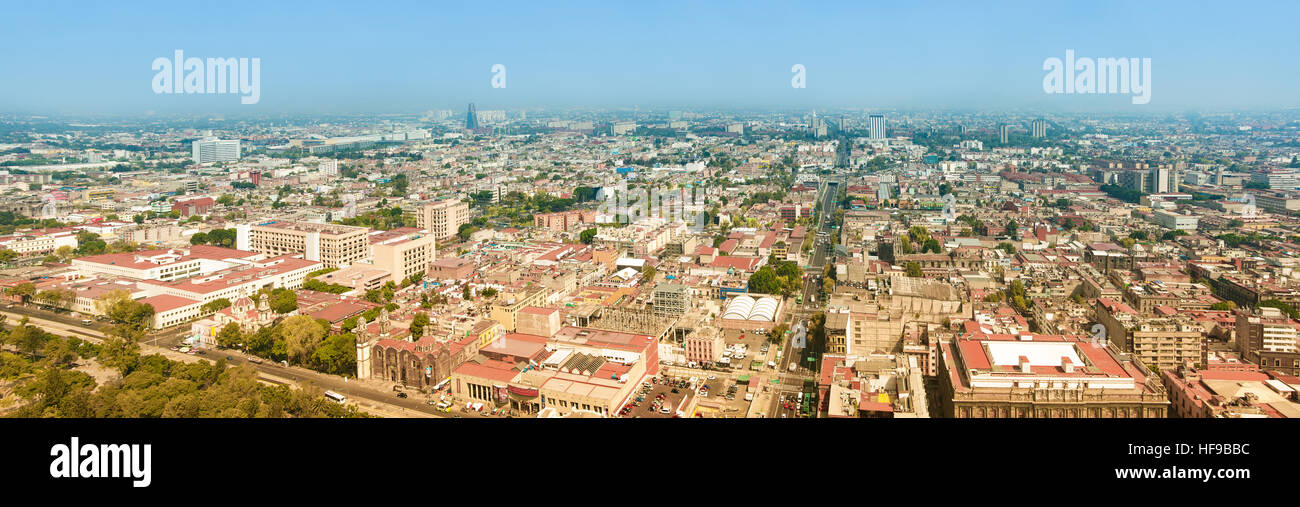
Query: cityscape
point(220, 242)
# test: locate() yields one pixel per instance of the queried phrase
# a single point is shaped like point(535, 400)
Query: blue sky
point(335, 57)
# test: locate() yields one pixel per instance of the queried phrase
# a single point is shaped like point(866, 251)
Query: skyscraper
point(876, 126)
point(471, 118)
point(1004, 133)
point(1039, 128)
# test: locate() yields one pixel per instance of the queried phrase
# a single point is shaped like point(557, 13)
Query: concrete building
point(1044, 376)
point(671, 299)
point(332, 245)
point(405, 255)
point(1165, 343)
point(443, 218)
point(1171, 220)
point(212, 149)
point(1268, 338)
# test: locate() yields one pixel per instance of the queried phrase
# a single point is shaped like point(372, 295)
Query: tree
point(417, 324)
point(931, 245)
point(301, 335)
point(914, 270)
point(26, 338)
point(648, 274)
point(336, 355)
point(1012, 228)
point(215, 305)
point(120, 354)
point(132, 318)
point(905, 244)
point(587, 236)
point(60, 353)
point(765, 281)
point(199, 238)
point(24, 291)
point(230, 336)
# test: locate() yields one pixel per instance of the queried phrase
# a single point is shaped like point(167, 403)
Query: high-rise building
point(471, 118)
point(211, 149)
point(1039, 128)
point(1004, 133)
point(876, 126)
point(443, 218)
point(329, 244)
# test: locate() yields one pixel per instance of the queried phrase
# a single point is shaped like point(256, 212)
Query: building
point(1039, 128)
point(1171, 220)
point(1004, 133)
point(212, 149)
point(43, 241)
point(405, 255)
point(471, 118)
point(672, 299)
point(189, 207)
point(876, 126)
point(1044, 376)
point(1268, 338)
point(1281, 203)
point(506, 307)
point(165, 265)
point(564, 220)
point(1165, 343)
point(443, 218)
point(1208, 393)
point(706, 345)
point(332, 245)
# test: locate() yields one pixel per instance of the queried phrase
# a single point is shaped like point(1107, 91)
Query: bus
point(336, 397)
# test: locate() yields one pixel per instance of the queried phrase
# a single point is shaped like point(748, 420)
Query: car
point(675, 391)
point(665, 410)
point(712, 377)
point(401, 395)
point(230, 358)
point(430, 402)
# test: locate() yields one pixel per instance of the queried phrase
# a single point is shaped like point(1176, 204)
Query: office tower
point(876, 126)
point(1160, 180)
point(1004, 133)
point(212, 149)
point(443, 218)
point(1039, 128)
point(471, 118)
